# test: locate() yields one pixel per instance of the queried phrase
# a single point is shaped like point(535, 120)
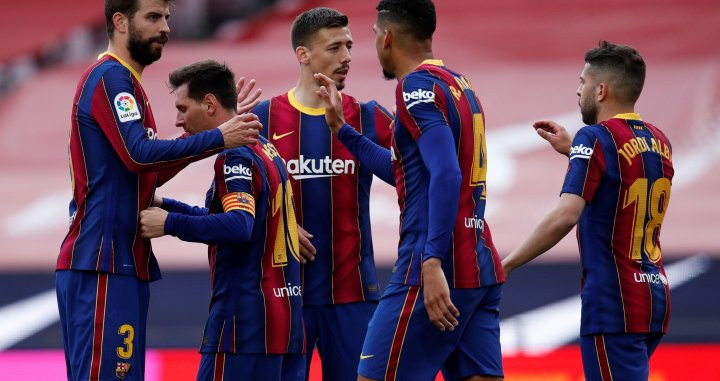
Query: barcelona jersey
point(332, 193)
point(256, 304)
point(432, 96)
point(623, 169)
point(114, 158)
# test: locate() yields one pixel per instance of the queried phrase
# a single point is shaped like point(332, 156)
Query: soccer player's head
point(612, 73)
point(141, 25)
point(322, 43)
point(205, 95)
point(402, 25)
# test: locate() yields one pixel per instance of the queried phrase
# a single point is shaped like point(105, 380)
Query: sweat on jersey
point(623, 169)
point(249, 222)
point(332, 193)
point(114, 158)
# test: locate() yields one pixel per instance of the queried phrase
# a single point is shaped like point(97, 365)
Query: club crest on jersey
point(126, 107)
point(418, 96)
point(580, 152)
point(122, 370)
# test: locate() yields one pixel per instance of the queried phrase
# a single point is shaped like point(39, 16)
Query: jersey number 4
point(479, 164)
point(645, 235)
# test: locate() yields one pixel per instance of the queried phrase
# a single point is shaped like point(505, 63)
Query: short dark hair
point(126, 7)
point(414, 17)
point(309, 22)
point(207, 77)
point(625, 66)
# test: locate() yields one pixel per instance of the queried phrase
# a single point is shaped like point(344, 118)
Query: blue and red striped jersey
point(332, 192)
point(114, 158)
point(256, 304)
point(432, 96)
point(623, 169)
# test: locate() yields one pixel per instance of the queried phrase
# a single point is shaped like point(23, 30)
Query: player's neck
point(121, 52)
point(305, 92)
point(407, 62)
point(610, 111)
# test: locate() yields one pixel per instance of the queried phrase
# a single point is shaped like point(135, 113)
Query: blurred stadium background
point(523, 57)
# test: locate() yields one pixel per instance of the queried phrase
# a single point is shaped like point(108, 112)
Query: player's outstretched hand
point(245, 99)
point(152, 222)
point(555, 134)
point(241, 130)
point(333, 102)
point(157, 201)
point(440, 309)
point(307, 250)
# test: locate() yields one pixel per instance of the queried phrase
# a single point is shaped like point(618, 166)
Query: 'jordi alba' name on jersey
point(623, 168)
point(332, 193)
point(434, 97)
point(256, 302)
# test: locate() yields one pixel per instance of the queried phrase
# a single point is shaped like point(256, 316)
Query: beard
point(340, 85)
point(388, 75)
point(589, 112)
point(142, 51)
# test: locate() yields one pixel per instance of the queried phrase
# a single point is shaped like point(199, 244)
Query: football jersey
point(432, 96)
point(623, 169)
point(332, 192)
point(256, 304)
point(114, 155)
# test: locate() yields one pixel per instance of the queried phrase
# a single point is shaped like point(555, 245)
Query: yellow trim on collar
point(303, 109)
point(629, 115)
point(137, 76)
point(433, 62)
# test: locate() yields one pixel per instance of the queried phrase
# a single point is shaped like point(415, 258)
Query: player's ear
point(387, 38)
point(210, 104)
point(303, 55)
point(120, 21)
point(601, 91)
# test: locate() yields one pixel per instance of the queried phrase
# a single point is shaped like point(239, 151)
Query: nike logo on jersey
point(363, 357)
point(278, 137)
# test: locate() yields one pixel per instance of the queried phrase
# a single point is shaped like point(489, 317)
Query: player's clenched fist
point(241, 130)
point(152, 222)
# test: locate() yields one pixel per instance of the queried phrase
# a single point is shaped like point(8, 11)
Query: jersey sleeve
point(117, 112)
point(437, 149)
point(586, 167)
point(376, 158)
point(380, 120)
point(233, 178)
point(420, 104)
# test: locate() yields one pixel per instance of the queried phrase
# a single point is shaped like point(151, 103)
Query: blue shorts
point(339, 331)
point(103, 318)
point(402, 343)
point(257, 367)
point(618, 356)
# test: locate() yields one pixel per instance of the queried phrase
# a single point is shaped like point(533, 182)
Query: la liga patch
point(126, 107)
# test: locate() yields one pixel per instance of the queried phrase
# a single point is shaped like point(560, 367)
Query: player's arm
point(235, 224)
point(585, 171)
point(122, 124)
point(424, 120)
point(551, 229)
point(376, 158)
point(175, 206)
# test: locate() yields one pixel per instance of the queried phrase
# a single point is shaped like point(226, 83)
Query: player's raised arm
point(375, 157)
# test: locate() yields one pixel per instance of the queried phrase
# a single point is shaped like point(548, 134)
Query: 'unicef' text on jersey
point(303, 168)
